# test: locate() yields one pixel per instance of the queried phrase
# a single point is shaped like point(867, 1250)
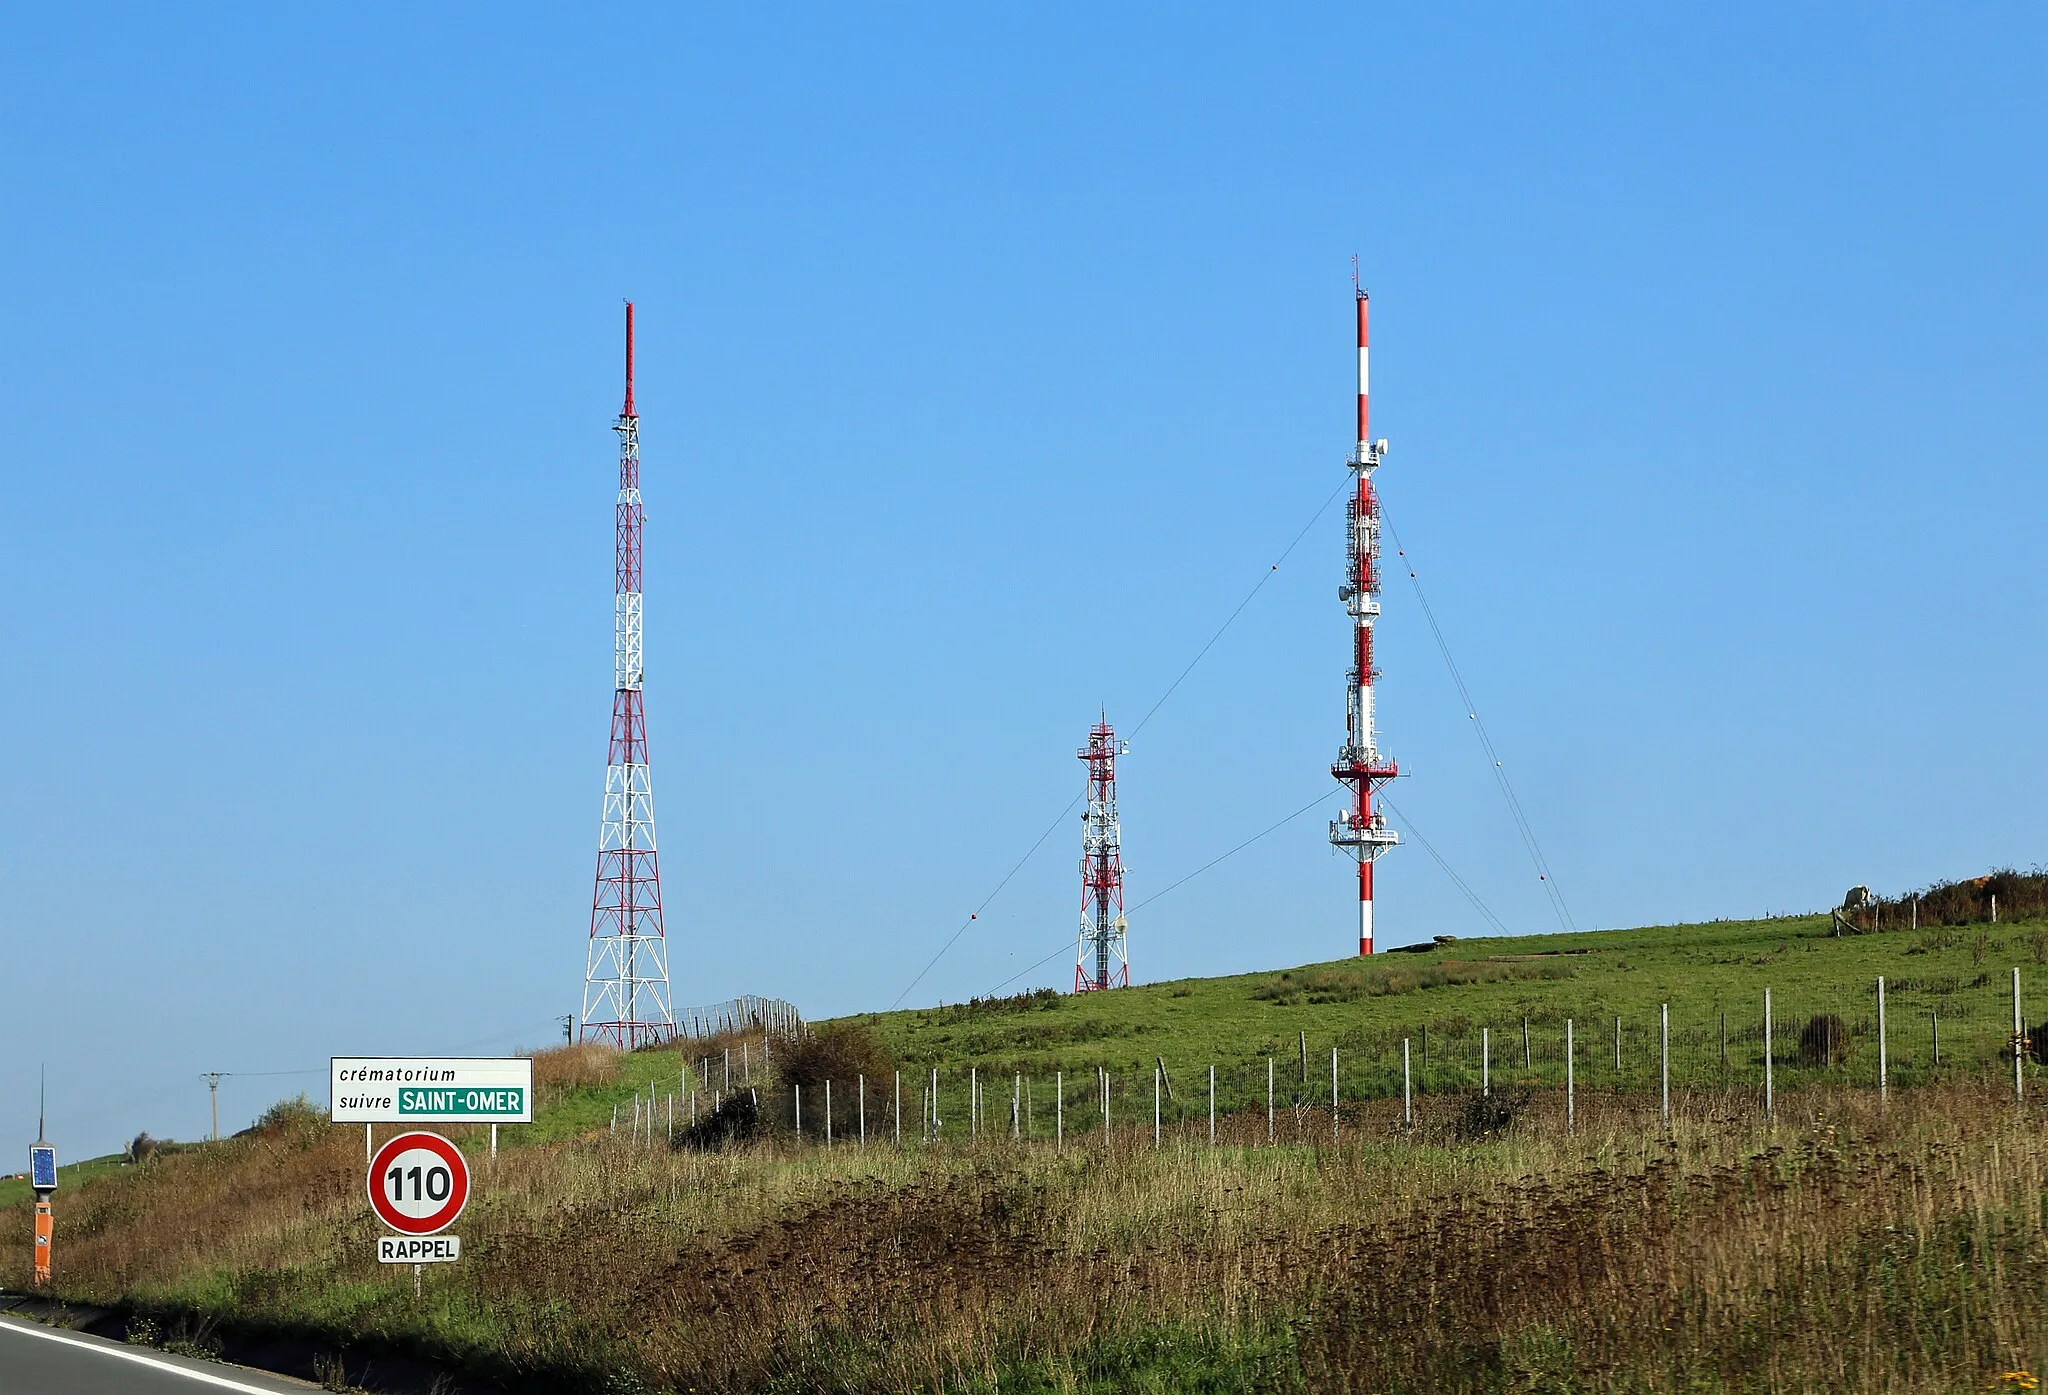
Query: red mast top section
point(627, 410)
point(1364, 433)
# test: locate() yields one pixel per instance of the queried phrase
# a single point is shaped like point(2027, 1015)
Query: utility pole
point(568, 1021)
point(213, 1079)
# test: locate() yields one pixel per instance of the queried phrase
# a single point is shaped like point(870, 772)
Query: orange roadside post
point(46, 1225)
point(42, 1175)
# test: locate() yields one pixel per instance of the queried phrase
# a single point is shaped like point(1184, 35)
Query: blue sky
point(988, 357)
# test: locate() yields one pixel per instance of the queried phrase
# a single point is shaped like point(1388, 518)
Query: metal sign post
point(42, 1175)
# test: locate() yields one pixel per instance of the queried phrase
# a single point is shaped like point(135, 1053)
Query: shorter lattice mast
point(1100, 960)
point(625, 974)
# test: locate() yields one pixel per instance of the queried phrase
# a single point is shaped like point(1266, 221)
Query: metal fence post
point(1528, 1060)
point(1333, 1092)
point(1485, 1061)
point(1770, 1102)
point(1664, 1059)
point(1407, 1095)
point(2019, 1037)
point(1212, 1106)
point(1569, 1082)
point(1269, 1101)
point(1155, 1106)
point(1883, 1065)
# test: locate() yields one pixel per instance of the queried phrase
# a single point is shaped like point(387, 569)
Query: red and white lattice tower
point(1100, 960)
point(625, 975)
point(1361, 830)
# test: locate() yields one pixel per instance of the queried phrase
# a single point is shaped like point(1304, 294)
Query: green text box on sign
point(471, 1102)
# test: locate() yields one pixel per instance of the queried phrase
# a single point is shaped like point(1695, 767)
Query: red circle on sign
point(418, 1183)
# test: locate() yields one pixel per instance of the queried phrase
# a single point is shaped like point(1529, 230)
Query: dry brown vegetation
point(579, 1067)
point(2018, 896)
point(1850, 1247)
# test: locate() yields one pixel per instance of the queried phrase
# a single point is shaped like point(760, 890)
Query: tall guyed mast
point(1100, 959)
point(625, 975)
point(1361, 830)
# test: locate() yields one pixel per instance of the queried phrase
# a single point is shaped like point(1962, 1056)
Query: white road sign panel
point(430, 1090)
point(418, 1249)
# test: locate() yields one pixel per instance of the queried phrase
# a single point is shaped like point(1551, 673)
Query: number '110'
point(433, 1187)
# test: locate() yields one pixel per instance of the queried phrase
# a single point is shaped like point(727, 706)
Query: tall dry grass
point(1850, 1247)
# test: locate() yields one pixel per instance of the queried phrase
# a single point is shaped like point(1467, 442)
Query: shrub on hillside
point(1036, 1000)
point(2020, 896)
point(838, 1052)
point(1489, 1116)
point(1823, 1041)
point(295, 1116)
point(736, 1120)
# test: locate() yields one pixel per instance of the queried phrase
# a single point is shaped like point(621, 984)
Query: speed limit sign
point(419, 1183)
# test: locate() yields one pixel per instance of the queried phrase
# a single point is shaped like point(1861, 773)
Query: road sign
point(430, 1090)
point(42, 1167)
point(418, 1184)
point(418, 1249)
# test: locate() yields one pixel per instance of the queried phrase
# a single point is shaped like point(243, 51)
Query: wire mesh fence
point(1884, 1035)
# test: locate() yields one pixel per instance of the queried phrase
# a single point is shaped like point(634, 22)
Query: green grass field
point(1453, 1004)
point(15, 1189)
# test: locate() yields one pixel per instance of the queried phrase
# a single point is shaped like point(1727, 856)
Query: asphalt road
point(38, 1360)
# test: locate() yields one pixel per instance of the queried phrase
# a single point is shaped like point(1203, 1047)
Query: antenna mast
point(1361, 830)
point(625, 973)
point(1100, 960)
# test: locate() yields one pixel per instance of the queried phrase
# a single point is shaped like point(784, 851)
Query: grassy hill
point(1454, 1003)
point(1850, 1245)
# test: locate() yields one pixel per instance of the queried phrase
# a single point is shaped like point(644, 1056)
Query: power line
point(1274, 828)
point(1171, 688)
point(1456, 880)
point(1500, 774)
point(976, 914)
point(1314, 518)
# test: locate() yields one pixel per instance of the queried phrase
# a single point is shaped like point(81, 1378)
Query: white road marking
point(29, 1329)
